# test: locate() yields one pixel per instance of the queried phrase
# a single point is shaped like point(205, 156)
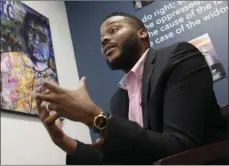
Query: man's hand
point(52, 124)
point(72, 104)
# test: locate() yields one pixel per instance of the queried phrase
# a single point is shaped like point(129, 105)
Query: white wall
point(24, 139)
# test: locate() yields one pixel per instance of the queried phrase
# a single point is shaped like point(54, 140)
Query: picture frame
point(27, 56)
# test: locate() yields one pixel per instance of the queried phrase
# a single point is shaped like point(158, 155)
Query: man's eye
point(43, 38)
point(113, 30)
point(30, 32)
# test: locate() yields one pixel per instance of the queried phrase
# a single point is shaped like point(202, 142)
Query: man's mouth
point(37, 53)
point(108, 48)
point(109, 51)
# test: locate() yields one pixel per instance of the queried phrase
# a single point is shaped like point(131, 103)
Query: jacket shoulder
point(178, 50)
point(177, 47)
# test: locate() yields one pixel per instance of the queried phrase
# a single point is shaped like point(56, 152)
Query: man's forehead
point(36, 25)
point(113, 19)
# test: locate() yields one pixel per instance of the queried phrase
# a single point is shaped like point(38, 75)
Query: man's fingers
point(38, 103)
point(51, 118)
point(54, 107)
point(46, 92)
point(83, 82)
point(44, 112)
point(34, 94)
point(59, 123)
point(39, 89)
point(52, 87)
point(43, 105)
point(50, 97)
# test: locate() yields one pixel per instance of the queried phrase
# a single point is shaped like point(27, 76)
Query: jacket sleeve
point(85, 154)
point(187, 93)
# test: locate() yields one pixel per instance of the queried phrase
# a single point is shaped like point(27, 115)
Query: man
point(165, 103)
point(23, 67)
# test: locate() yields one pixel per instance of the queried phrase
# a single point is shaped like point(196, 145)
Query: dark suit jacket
point(179, 109)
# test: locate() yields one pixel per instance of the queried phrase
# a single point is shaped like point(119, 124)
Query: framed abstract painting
point(27, 56)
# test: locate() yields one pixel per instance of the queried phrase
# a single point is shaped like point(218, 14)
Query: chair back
point(212, 154)
point(225, 111)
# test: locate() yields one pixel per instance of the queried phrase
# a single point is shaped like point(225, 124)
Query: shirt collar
point(137, 70)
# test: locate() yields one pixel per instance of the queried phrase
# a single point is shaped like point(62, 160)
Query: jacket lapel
point(119, 103)
point(147, 72)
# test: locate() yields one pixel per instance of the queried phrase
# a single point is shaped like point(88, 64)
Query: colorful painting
point(27, 56)
point(204, 44)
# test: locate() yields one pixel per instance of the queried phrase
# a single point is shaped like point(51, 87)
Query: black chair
point(216, 153)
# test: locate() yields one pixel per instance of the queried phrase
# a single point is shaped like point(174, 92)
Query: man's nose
point(105, 39)
point(37, 38)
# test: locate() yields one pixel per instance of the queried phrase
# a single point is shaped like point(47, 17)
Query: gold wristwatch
point(101, 121)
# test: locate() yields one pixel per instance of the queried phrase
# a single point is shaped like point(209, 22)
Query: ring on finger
point(47, 107)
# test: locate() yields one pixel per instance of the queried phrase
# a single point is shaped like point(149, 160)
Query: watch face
point(101, 122)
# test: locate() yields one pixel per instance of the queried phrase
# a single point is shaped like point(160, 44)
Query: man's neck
point(140, 55)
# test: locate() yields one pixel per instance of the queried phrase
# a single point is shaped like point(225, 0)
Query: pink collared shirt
point(132, 82)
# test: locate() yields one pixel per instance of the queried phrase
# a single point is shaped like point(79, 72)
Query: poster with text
point(27, 56)
point(204, 44)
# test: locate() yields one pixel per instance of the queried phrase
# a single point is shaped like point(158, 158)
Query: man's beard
point(129, 55)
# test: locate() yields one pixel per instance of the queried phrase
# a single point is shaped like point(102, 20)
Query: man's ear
point(143, 34)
